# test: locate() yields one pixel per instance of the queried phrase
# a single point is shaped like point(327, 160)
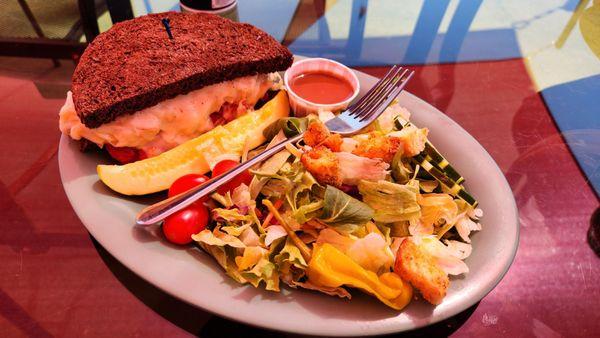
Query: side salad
point(382, 211)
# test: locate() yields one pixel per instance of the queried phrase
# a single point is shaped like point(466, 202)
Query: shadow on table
point(206, 325)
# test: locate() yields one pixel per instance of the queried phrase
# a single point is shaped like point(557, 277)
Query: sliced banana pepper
point(330, 267)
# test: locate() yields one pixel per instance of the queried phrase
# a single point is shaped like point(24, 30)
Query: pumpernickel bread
point(135, 64)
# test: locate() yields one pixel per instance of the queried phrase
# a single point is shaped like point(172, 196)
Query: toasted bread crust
point(420, 269)
point(135, 65)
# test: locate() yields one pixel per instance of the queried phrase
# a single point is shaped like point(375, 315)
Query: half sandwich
point(139, 92)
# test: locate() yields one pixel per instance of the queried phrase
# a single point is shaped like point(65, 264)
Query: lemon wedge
point(196, 155)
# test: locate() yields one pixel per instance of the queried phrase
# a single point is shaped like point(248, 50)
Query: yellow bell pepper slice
point(330, 267)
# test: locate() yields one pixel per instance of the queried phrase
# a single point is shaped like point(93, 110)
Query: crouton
point(317, 134)
point(377, 145)
point(412, 138)
point(323, 165)
point(421, 270)
point(333, 142)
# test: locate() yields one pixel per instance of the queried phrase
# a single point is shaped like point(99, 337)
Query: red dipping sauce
point(322, 87)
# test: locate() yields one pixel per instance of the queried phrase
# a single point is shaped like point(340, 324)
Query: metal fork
point(351, 121)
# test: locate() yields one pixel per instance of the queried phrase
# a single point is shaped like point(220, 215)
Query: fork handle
point(159, 211)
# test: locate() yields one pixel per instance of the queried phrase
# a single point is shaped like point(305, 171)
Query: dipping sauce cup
point(320, 84)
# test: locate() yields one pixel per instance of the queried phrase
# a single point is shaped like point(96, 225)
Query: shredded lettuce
point(274, 232)
point(276, 187)
point(249, 237)
point(230, 215)
point(235, 229)
point(447, 259)
point(303, 184)
point(269, 167)
point(217, 238)
point(368, 229)
point(307, 211)
point(223, 257)
point(287, 214)
point(372, 253)
point(290, 263)
point(460, 249)
point(241, 198)
point(223, 247)
point(264, 271)
point(464, 225)
point(290, 255)
point(435, 207)
point(250, 258)
point(465, 221)
point(224, 200)
point(391, 202)
point(252, 266)
point(418, 228)
point(401, 171)
point(334, 238)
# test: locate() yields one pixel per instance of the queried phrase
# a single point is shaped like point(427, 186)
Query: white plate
point(193, 276)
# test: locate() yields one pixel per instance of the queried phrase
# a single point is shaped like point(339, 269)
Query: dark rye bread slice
point(135, 65)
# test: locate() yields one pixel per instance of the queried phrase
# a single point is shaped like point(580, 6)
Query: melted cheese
point(169, 123)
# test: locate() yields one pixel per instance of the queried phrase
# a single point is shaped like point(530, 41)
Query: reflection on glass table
point(521, 77)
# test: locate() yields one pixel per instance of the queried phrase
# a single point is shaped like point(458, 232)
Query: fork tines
point(384, 91)
point(372, 93)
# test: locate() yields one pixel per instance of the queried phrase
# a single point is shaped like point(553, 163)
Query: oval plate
point(109, 217)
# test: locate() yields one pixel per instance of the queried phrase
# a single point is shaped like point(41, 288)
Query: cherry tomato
point(186, 182)
point(224, 166)
point(179, 227)
point(125, 155)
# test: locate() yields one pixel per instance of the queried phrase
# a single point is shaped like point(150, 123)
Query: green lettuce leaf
point(344, 212)
point(278, 183)
point(392, 202)
point(401, 171)
point(290, 263)
point(231, 215)
point(308, 211)
point(251, 256)
point(235, 229)
point(217, 238)
point(303, 182)
point(220, 254)
point(289, 255)
point(224, 200)
point(276, 187)
point(291, 126)
point(224, 248)
point(263, 271)
point(304, 204)
point(270, 167)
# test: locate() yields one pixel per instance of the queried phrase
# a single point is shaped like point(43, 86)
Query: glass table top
point(522, 77)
